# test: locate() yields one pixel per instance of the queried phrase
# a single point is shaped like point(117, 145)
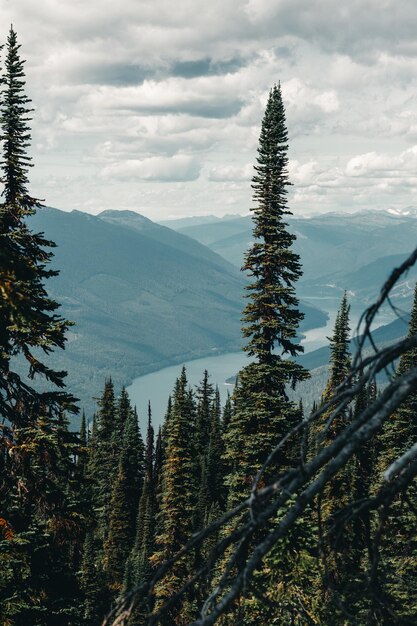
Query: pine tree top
point(409, 358)
point(271, 316)
point(340, 346)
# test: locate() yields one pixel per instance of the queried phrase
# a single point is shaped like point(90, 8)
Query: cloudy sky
point(155, 106)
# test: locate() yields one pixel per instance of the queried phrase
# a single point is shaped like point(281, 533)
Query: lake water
point(157, 386)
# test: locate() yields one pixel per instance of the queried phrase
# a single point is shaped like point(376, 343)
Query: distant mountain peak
point(119, 213)
point(126, 218)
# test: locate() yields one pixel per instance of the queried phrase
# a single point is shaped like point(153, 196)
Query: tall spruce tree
point(263, 413)
point(27, 314)
point(204, 400)
point(227, 412)
point(36, 449)
point(81, 460)
point(139, 568)
point(216, 496)
point(159, 459)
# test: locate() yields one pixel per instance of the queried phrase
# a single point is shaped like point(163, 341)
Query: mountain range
point(353, 252)
point(338, 251)
point(143, 297)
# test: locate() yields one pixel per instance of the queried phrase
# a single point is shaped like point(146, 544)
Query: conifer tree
point(263, 413)
point(160, 449)
point(138, 567)
point(126, 493)
point(178, 500)
point(167, 418)
point(341, 551)
point(159, 459)
point(36, 449)
point(38, 562)
point(94, 429)
point(204, 400)
point(92, 583)
point(339, 349)
point(215, 469)
point(103, 459)
point(122, 414)
point(27, 314)
point(145, 525)
point(365, 459)
point(397, 570)
point(82, 453)
point(212, 493)
point(83, 430)
point(227, 412)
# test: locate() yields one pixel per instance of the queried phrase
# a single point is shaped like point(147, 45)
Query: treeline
point(88, 518)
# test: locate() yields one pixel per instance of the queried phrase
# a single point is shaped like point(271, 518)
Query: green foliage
point(41, 519)
point(204, 401)
point(272, 316)
point(216, 493)
point(27, 315)
point(262, 412)
point(139, 567)
point(344, 543)
point(126, 493)
point(43, 529)
point(178, 498)
point(92, 582)
point(103, 458)
point(397, 549)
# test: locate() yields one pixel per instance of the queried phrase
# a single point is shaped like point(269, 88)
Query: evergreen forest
point(253, 512)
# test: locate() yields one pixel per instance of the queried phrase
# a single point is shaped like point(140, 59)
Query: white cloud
point(301, 96)
point(162, 169)
point(135, 89)
point(371, 164)
point(231, 173)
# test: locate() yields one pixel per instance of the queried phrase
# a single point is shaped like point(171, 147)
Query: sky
point(155, 106)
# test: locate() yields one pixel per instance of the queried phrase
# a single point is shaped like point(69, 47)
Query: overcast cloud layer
point(156, 106)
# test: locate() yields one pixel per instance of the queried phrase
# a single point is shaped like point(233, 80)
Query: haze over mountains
point(338, 251)
point(142, 296)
